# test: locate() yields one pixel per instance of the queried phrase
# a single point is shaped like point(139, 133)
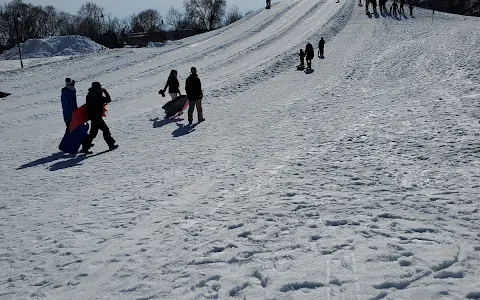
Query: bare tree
point(233, 15)
point(148, 20)
point(91, 18)
point(206, 14)
point(174, 18)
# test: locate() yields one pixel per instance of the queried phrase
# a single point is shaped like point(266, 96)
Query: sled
point(80, 116)
point(72, 141)
point(176, 106)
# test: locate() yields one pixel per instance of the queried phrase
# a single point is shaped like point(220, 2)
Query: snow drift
point(55, 46)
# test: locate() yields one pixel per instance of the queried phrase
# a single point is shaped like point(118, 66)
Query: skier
point(321, 46)
point(302, 60)
point(172, 84)
point(193, 87)
point(310, 54)
point(394, 8)
point(401, 10)
point(95, 104)
point(69, 100)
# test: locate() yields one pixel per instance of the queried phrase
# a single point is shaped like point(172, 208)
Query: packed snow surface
point(54, 46)
point(358, 181)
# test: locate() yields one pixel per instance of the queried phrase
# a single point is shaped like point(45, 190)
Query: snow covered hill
point(358, 181)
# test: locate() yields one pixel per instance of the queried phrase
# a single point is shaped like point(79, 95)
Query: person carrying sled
point(321, 47)
point(310, 54)
point(302, 60)
point(172, 84)
point(95, 104)
point(69, 100)
point(193, 87)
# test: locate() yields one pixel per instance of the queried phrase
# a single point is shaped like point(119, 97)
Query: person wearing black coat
point(193, 87)
point(95, 104)
point(172, 84)
point(321, 47)
point(310, 53)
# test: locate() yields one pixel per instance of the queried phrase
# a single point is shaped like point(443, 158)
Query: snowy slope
point(359, 181)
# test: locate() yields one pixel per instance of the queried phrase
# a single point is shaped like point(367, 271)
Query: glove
point(162, 92)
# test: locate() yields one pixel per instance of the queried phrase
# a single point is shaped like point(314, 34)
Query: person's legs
point(91, 136)
point(199, 110)
point(107, 136)
point(191, 107)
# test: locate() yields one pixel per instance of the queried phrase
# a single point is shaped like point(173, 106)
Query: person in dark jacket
point(193, 87)
point(310, 54)
point(95, 105)
point(393, 8)
point(410, 6)
point(302, 59)
point(172, 85)
point(401, 10)
point(321, 47)
point(69, 100)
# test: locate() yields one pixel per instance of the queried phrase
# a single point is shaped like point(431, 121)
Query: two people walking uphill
point(309, 54)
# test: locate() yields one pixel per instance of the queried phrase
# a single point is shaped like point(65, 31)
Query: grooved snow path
point(359, 181)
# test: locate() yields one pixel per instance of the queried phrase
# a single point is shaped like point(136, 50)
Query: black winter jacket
point(173, 85)
point(95, 103)
point(309, 51)
point(193, 87)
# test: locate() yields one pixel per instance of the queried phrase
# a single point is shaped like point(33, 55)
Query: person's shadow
point(46, 160)
point(157, 122)
point(64, 164)
point(183, 130)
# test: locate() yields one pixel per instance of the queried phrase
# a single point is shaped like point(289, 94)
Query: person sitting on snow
point(172, 84)
point(69, 100)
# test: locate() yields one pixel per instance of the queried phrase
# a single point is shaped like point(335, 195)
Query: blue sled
point(71, 142)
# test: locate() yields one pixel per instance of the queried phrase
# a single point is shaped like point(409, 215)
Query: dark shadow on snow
point(183, 130)
point(64, 164)
point(76, 161)
point(46, 160)
point(157, 122)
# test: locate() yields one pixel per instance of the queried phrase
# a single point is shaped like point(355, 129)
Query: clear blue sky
point(122, 8)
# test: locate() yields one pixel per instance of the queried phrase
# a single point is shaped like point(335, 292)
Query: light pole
point(18, 20)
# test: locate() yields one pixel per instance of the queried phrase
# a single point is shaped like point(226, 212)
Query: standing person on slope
point(95, 105)
point(193, 87)
point(321, 47)
point(310, 53)
point(69, 100)
point(173, 85)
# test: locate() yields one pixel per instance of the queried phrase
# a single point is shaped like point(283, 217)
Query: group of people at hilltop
point(309, 54)
point(397, 7)
point(98, 97)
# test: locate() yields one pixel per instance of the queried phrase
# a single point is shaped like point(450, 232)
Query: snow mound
point(55, 46)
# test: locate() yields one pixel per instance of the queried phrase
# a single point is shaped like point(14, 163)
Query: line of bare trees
point(462, 7)
point(94, 22)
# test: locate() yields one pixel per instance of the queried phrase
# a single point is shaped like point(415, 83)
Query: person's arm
point(107, 98)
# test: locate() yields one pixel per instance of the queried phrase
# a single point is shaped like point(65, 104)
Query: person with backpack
point(310, 54)
point(193, 87)
point(69, 100)
point(172, 84)
point(95, 106)
point(321, 46)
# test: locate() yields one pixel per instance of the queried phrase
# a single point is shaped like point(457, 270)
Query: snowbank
point(155, 44)
point(55, 46)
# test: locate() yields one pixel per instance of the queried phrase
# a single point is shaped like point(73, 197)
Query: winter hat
point(96, 86)
point(69, 81)
point(193, 70)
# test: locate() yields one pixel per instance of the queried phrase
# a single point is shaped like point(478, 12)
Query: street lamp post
point(18, 20)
